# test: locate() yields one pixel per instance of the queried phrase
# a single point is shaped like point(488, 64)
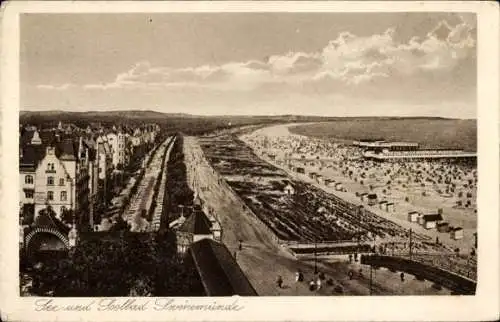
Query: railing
point(457, 283)
point(465, 266)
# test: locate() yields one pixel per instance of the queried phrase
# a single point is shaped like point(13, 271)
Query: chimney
point(440, 211)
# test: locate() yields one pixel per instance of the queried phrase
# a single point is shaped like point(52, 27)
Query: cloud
point(61, 87)
point(347, 63)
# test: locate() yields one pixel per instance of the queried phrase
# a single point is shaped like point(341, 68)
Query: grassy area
point(429, 132)
point(177, 191)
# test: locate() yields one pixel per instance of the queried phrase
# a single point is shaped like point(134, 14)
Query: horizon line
point(250, 115)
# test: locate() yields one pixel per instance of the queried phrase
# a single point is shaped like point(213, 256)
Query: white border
point(483, 306)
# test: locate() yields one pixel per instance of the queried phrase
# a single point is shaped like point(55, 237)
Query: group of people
point(314, 283)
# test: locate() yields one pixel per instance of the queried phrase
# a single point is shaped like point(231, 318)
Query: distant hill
point(148, 114)
point(187, 123)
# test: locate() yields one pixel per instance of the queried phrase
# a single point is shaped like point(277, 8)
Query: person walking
point(318, 284)
point(312, 285)
point(279, 281)
point(300, 276)
point(402, 275)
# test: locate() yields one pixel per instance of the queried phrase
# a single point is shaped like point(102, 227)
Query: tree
point(67, 216)
point(130, 264)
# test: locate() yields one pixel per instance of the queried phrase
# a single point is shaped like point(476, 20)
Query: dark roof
point(372, 140)
point(48, 220)
point(67, 148)
point(25, 137)
point(433, 217)
point(197, 223)
point(219, 272)
point(372, 196)
point(31, 156)
point(49, 137)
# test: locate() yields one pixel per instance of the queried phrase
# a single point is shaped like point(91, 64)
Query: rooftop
point(197, 223)
point(433, 217)
point(219, 272)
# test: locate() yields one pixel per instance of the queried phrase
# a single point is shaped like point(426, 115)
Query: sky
point(331, 64)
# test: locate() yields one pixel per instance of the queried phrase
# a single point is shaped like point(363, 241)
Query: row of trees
point(177, 190)
point(157, 185)
point(128, 264)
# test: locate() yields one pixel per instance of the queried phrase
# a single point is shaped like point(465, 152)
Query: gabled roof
point(48, 220)
point(220, 273)
point(197, 223)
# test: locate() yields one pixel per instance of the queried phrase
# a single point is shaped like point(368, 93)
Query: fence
point(457, 283)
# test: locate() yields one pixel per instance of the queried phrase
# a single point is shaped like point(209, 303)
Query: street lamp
point(410, 243)
point(315, 257)
point(371, 278)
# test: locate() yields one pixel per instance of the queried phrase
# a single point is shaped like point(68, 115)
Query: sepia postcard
point(250, 161)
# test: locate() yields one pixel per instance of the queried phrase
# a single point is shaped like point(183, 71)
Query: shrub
point(338, 289)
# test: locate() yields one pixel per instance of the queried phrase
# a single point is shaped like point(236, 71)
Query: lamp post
point(371, 278)
point(410, 243)
point(315, 257)
point(71, 198)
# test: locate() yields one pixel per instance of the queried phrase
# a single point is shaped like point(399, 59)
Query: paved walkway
point(143, 198)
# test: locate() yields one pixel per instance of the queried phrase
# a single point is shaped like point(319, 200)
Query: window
point(50, 181)
point(28, 194)
point(51, 167)
point(64, 196)
point(28, 179)
point(50, 195)
point(61, 182)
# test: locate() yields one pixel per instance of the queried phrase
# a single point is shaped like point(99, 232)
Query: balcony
point(50, 171)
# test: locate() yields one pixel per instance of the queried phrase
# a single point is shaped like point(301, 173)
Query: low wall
point(458, 284)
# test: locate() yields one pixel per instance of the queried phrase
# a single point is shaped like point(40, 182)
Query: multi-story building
point(31, 152)
point(104, 160)
point(116, 140)
point(55, 181)
point(54, 172)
